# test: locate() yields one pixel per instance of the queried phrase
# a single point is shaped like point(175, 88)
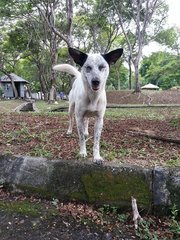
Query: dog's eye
point(101, 67)
point(88, 68)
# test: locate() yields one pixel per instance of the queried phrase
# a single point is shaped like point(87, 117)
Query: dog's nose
point(95, 84)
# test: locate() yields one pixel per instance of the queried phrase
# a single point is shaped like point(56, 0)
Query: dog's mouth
point(95, 85)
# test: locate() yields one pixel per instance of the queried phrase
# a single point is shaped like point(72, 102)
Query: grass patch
point(27, 208)
point(7, 106)
point(46, 107)
point(41, 151)
point(145, 113)
point(175, 122)
point(174, 162)
point(113, 154)
point(21, 207)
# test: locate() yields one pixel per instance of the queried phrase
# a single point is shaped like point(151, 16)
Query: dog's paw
point(68, 133)
point(86, 135)
point(83, 154)
point(98, 161)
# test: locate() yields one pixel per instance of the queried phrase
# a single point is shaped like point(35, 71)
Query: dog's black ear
point(78, 56)
point(113, 56)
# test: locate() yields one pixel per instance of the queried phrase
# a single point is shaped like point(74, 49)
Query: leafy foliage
point(170, 38)
point(29, 46)
point(161, 69)
point(118, 78)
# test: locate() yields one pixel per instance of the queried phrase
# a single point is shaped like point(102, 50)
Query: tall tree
point(49, 11)
point(100, 28)
point(40, 21)
point(142, 20)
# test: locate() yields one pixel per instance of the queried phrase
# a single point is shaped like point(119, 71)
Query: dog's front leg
point(80, 127)
point(97, 136)
point(86, 122)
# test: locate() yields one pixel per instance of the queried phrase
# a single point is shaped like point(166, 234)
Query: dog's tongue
point(95, 88)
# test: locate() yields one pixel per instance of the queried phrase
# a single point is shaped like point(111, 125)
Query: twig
point(88, 139)
point(153, 136)
point(136, 214)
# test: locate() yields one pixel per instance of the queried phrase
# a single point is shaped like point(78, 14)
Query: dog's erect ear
point(78, 56)
point(113, 56)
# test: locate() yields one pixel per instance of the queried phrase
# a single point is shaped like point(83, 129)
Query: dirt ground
point(34, 219)
point(128, 140)
point(23, 218)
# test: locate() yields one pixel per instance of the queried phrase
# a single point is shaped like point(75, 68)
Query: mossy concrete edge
point(84, 181)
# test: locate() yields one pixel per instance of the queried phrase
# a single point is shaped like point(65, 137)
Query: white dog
point(87, 96)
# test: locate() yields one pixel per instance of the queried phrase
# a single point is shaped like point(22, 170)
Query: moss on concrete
point(108, 187)
point(37, 191)
point(78, 196)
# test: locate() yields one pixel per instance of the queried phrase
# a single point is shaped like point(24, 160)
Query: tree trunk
point(44, 87)
point(52, 94)
point(137, 85)
point(13, 86)
point(12, 82)
point(118, 79)
point(142, 13)
point(27, 92)
point(130, 73)
point(54, 56)
point(69, 10)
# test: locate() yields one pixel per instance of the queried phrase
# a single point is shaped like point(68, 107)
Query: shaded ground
point(125, 136)
point(24, 218)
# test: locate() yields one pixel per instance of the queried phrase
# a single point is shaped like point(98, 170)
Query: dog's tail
point(67, 68)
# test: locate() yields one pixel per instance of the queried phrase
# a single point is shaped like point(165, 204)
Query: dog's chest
point(93, 105)
point(91, 110)
point(88, 113)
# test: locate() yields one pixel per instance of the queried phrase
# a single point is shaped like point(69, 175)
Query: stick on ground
point(136, 214)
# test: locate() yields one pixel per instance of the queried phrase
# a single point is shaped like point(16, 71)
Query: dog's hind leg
point(82, 142)
point(71, 118)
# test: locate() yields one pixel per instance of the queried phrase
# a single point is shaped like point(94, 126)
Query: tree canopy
point(161, 68)
point(35, 35)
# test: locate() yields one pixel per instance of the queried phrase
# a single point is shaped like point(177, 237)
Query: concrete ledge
point(87, 182)
point(28, 106)
point(166, 187)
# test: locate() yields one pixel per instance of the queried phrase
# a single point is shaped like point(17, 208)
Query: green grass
point(46, 107)
point(41, 151)
point(7, 106)
point(173, 162)
point(175, 122)
point(28, 208)
point(21, 207)
point(145, 113)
